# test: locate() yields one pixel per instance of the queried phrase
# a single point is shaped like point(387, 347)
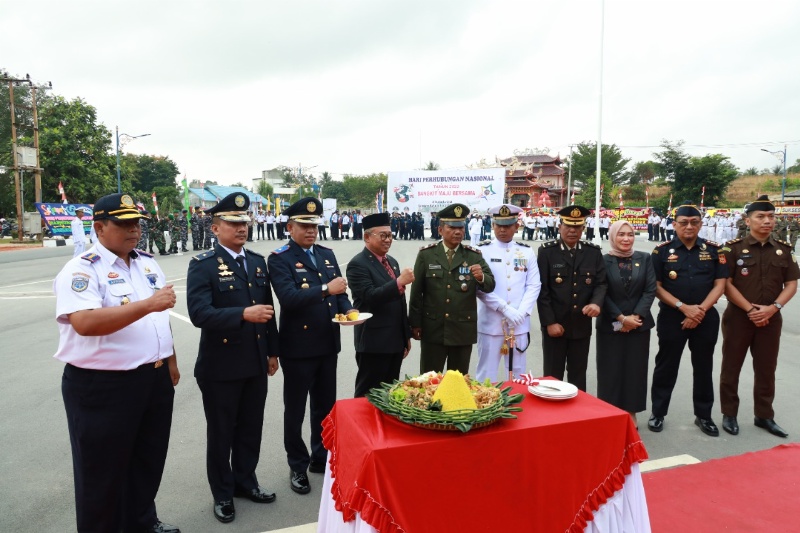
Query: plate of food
point(353, 318)
point(446, 402)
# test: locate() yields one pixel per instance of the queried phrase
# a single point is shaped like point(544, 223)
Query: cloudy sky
point(230, 88)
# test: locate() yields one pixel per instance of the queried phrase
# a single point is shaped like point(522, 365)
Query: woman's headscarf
point(612, 238)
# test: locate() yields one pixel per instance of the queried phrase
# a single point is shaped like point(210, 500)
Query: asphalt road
point(36, 467)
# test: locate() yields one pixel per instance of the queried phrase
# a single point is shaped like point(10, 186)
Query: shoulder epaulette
point(784, 243)
point(91, 257)
point(204, 255)
point(254, 253)
point(144, 253)
point(548, 244)
point(484, 243)
point(732, 241)
point(426, 247)
point(321, 246)
point(663, 244)
point(468, 247)
point(518, 243)
point(281, 249)
point(590, 243)
point(713, 243)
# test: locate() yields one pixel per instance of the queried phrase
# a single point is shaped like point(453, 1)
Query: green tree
point(264, 189)
point(688, 175)
point(586, 197)
point(146, 172)
point(794, 169)
point(432, 166)
point(752, 171)
point(361, 190)
point(584, 163)
point(642, 172)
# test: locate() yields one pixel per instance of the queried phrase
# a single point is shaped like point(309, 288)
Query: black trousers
point(119, 425)
point(280, 230)
point(260, 231)
point(314, 378)
point(234, 421)
point(323, 232)
point(270, 231)
point(560, 353)
point(671, 343)
point(434, 356)
point(376, 368)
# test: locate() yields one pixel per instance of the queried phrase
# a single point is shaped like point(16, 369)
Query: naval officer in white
point(511, 303)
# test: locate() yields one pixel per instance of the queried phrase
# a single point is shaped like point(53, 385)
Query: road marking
point(305, 528)
point(29, 283)
point(180, 317)
point(668, 462)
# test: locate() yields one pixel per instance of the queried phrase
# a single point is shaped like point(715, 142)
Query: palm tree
point(431, 166)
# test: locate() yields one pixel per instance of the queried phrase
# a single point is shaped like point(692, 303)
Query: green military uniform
point(152, 222)
point(741, 229)
point(444, 304)
point(162, 225)
point(780, 233)
point(174, 234)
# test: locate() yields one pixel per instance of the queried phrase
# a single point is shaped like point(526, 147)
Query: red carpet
point(750, 493)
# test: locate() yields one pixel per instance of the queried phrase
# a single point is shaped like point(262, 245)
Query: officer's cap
point(171, 216)
point(376, 220)
point(505, 215)
point(687, 209)
point(116, 206)
point(574, 215)
point(305, 211)
point(762, 203)
point(232, 208)
point(454, 215)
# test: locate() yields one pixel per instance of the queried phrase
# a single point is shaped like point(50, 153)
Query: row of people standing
point(407, 226)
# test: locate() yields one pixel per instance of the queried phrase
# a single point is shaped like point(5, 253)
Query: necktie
point(450, 253)
point(311, 257)
point(388, 267)
point(240, 260)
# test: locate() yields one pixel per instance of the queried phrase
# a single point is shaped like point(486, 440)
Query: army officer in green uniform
point(443, 308)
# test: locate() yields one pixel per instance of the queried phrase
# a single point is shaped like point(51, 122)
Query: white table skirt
point(624, 512)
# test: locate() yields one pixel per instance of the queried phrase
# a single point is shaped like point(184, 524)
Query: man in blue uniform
point(311, 290)
point(690, 278)
point(229, 298)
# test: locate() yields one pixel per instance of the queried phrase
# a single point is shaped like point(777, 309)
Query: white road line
point(180, 317)
point(668, 462)
point(305, 528)
point(29, 283)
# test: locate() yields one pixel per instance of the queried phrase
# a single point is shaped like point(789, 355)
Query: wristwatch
point(325, 290)
point(779, 306)
point(678, 304)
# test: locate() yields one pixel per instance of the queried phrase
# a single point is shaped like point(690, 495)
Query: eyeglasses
point(693, 223)
point(382, 235)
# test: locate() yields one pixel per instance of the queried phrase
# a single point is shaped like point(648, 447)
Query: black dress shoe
point(299, 482)
point(258, 495)
point(161, 527)
point(316, 468)
point(224, 511)
point(707, 426)
point(656, 423)
point(770, 425)
point(730, 424)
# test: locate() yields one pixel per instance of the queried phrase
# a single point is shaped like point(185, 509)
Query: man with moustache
point(311, 290)
point(690, 278)
point(763, 278)
point(229, 298)
point(379, 287)
point(574, 285)
point(443, 309)
point(112, 309)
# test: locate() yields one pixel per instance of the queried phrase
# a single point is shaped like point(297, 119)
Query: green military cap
point(454, 215)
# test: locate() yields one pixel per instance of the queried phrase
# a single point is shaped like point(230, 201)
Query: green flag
point(185, 193)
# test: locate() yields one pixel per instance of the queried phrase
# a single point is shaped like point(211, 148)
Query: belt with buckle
point(158, 363)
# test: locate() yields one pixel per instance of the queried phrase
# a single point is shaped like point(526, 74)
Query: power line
point(730, 145)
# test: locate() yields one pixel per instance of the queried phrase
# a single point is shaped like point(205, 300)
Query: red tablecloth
point(548, 470)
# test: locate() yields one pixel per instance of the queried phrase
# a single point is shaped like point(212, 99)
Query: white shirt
point(345, 220)
point(78, 231)
point(475, 226)
point(270, 219)
point(605, 222)
point(518, 288)
point(104, 280)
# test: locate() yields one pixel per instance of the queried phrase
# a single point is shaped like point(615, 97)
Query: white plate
point(545, 390)
point(553, 398)
point(362, 317)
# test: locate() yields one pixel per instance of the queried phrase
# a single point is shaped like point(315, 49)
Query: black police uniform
point(232, 361)
point(688, 275)
point(309, 340)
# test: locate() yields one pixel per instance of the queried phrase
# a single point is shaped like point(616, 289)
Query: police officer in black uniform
point(690, 278)
point(311, 290)
point(229, 298)
point(574, 285)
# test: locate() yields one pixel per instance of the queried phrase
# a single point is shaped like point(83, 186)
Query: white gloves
point(513, 316)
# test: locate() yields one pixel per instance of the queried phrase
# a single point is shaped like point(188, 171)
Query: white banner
point(431, 190)
point(328, 207)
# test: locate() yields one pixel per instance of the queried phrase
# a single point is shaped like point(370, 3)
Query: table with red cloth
point(550, 469)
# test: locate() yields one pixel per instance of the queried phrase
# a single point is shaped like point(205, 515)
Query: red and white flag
point(155, 201)
point(621, 202)
point(703, 196)
point(647, 198)
point(669, 209)
point(61, 192)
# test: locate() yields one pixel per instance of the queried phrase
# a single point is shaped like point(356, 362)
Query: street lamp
point(781, 157)
point(129, 138)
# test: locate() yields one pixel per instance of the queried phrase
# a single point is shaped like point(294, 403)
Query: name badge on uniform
point(434, 267)
point(301, 270)
point(496, 260)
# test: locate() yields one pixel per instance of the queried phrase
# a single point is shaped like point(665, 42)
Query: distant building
point(534, 181)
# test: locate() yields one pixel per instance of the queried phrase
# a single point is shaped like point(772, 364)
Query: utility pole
point(16, 158)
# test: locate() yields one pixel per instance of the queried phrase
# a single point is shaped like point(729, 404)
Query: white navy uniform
point(516, 274)
point(78, 236)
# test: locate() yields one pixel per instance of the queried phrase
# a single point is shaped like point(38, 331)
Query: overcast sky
point(230, 88)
